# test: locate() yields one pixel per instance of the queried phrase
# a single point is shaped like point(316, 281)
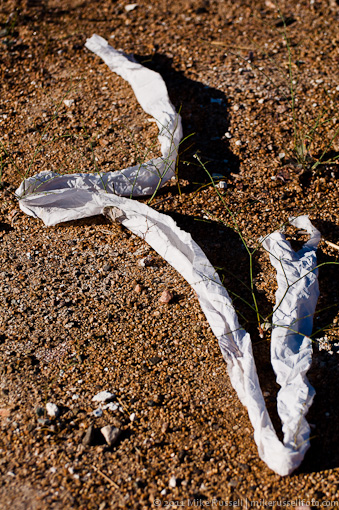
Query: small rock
point(5, 412)
point(52, 410)
point(146, 261)
point(130, 7)
point(155, 360)
point(244, 467)
point(138, 288)
point(164, 427)
point(97, 412)
point(111, 434)
point(182, 455)
point(89, 437)
point(40, 411)
point(132, 417)
point(172, 482)
point(69, 102)
point(103, 396)
point(233, 483)
point(111, 406)
point(166, 297)
point(44, 421)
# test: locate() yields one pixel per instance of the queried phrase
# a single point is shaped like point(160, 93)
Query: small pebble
point(172, 482)
point(89, 437)
point(103, 396)
point(52, 410)
point(155, 360)
point(40, 411)
point(111, 406)
point(68, 102)
point(130, 7)
point(111, 434)
point(146, 261)
point(138, 288)
point(166, 297)
point(164, 427)
point(44, 421)
point(97, 412)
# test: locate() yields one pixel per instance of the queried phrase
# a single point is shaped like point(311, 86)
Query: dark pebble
point(89, 438)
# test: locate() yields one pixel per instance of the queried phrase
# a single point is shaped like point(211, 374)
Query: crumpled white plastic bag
point(55, 199)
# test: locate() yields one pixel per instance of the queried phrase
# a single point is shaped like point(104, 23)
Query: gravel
point(82, 315)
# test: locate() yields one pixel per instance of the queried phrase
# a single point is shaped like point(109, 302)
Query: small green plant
point(304, 132)
point(310, 147)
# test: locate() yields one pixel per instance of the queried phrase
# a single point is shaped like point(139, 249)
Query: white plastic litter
point(55, 199)
point(138, 180)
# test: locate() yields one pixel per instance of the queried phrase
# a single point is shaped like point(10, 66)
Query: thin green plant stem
point(318, 162)
point(296, 281)
point(93, 156)
point(241, 237)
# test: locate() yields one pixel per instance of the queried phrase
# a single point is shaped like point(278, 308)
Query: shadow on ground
point(205, 117)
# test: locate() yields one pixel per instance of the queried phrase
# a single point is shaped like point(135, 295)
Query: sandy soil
point(81, 315)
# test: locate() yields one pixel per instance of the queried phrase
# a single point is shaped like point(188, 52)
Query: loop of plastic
point(55, 199)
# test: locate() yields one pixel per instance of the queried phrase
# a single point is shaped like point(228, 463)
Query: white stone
point(68, 102)
point(130, 7)
point(111, 434)
point(172, 482)
point(103, 396)
point(111, 406)
point(52, 410)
